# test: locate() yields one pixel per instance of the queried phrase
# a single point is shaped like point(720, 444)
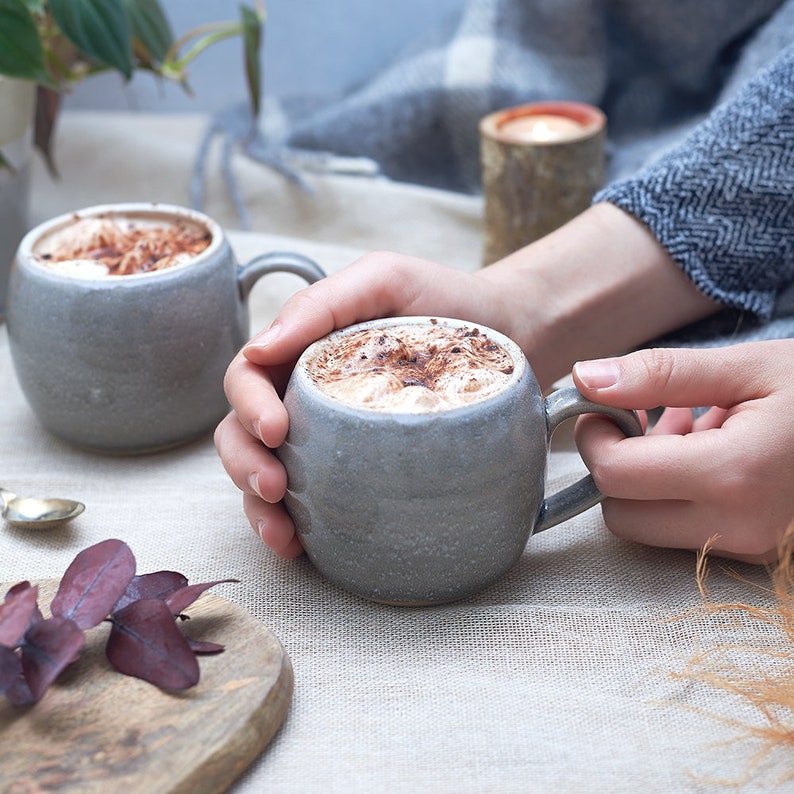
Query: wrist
point(600, 285)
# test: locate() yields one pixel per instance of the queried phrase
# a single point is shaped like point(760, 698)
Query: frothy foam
point(120, 246)
point(411, 368)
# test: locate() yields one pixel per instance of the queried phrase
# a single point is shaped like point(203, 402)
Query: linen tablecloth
point(560, 677)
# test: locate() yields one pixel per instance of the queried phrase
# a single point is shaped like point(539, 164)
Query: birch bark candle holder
point(541, 165)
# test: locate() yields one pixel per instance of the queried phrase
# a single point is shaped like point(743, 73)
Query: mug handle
point(276, 262)
point(561, 405)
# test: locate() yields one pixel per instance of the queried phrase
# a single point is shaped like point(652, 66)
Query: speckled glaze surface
point(126, 364)
point(426, 508)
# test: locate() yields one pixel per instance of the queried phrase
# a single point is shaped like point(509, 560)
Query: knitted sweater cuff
point(721, 201)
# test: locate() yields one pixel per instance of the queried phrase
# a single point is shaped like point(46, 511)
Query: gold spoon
point(25, 511)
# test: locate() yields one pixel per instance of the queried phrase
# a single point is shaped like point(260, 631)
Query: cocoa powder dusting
point(126, 247)
point(451, 366)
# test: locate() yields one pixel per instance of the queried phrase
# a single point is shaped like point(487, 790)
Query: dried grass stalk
point(762, 672)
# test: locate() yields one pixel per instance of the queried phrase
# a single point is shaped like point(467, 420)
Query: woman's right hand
point(722, 480)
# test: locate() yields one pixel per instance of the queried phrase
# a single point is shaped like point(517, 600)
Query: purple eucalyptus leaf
point(185, 596)
point(17, 612)
point(19, 693)
point(10, 668)
point(199, 646)
point(17, 588)
point(50, 646)
point(94, 582)
point(159, 584)
point(145, 642)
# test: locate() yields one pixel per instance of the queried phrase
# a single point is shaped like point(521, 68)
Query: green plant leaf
point(150, 27)
point(21, 54)
point(99, 28)
point(252, 36)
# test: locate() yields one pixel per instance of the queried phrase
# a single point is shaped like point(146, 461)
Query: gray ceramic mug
point(426, 508)
point(133, 363)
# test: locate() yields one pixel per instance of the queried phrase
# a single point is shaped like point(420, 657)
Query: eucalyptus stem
point(211, 33)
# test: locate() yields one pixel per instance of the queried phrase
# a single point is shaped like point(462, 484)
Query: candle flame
point(542, 132)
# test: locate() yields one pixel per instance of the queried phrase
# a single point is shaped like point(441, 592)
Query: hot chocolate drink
point(123, 318)
point(120, 245)
point(416, 457)
point(411, 368)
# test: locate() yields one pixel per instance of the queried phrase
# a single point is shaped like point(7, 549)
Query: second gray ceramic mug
point(133, 363)
point(427, 508)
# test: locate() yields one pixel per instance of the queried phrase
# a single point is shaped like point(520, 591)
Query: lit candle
point(541, 165)
point(541, 128)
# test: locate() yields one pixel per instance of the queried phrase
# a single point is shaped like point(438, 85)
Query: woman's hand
point(544, 297)
point(377, 285)
point(728, 474)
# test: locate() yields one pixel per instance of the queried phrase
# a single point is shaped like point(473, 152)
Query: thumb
point(671, 377)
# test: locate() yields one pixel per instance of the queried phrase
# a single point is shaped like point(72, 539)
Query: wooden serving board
point(96, 730)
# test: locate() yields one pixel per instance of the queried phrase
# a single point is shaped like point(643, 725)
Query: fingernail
point(597, 374)
point(257, 425)
point(265, 338)
point(253, 481)
point(260, 527)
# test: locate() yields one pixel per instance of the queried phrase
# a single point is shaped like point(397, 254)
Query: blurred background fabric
point(405, 85)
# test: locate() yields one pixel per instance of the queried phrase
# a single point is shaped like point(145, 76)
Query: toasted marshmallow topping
point(120, 246)
point(411, 369)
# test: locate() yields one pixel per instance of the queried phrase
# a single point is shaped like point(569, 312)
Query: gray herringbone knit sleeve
point(722, 202)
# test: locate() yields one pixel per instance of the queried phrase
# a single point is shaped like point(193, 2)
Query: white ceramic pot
point(17, 107)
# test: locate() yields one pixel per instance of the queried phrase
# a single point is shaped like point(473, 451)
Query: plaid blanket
point(655, 69)
point(660, 72)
